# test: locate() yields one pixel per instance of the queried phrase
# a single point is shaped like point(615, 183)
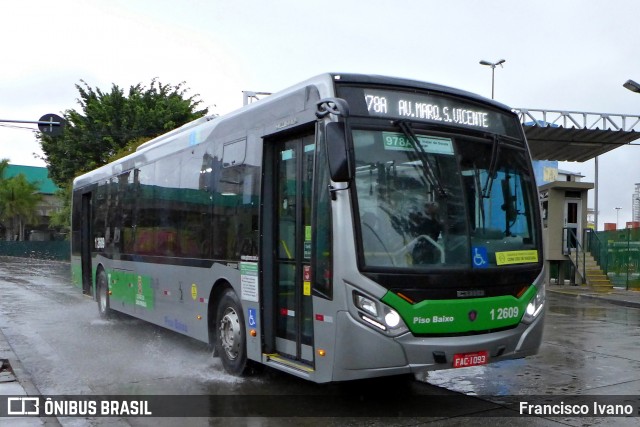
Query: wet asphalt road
point(589, 348)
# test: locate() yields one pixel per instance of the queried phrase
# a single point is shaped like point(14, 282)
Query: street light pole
point(493, 71)
point(633, 87)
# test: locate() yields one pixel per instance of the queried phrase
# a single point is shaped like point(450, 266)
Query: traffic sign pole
point(51, 124)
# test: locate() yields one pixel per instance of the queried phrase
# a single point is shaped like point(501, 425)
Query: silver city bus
point(348, 227)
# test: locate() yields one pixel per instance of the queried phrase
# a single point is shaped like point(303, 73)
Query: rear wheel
point(102, 292)
point(231, 342)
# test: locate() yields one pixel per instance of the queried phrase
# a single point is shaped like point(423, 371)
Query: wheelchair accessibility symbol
point(252, 317)
point(480, 257)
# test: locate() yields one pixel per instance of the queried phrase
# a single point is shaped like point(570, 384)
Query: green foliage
point(18, 202)
point(109, 122)
point(61, 219)
point(4, 164)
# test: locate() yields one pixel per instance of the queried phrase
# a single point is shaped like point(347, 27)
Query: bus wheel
point(231, 340)
point(103, 295)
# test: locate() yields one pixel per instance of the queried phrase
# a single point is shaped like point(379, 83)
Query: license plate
point(462, 360)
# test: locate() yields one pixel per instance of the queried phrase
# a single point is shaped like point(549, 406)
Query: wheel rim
point(230, 333)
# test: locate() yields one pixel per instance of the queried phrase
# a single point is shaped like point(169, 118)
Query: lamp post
point(617, 216)
point(632, 86)
point(493, 71)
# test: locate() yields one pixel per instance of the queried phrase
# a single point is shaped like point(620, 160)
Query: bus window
point(400, 190)
point(145, 241)
point(235, 189)
point(501, 205)
point(417, 204)
point(196, 234)
point(234, 153)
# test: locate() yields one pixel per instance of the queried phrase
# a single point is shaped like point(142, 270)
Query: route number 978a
point(504, 313)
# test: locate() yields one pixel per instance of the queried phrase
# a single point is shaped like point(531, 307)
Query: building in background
point(635, 204)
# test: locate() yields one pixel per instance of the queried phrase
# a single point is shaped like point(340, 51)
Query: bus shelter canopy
point(573, 144)
point(576, 136)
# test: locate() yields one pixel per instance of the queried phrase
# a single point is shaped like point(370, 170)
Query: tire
point(102, 293)
point(231, 340)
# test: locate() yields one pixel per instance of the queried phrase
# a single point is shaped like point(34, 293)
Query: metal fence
point(617, 252)
point(55, 250)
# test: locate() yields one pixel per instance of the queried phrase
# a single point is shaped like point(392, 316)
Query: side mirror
point(338, 152)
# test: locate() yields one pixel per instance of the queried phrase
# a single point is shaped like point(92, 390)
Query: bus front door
point(293, 184)
point(85, 244)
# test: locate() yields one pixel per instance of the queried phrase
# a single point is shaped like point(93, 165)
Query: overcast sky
point(566, 55)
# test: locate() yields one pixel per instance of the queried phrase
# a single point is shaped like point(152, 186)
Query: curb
point(619, 299)
point(23, 380)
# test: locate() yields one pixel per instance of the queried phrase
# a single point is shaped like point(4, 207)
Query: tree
point(4, 164)
point(110, 121)
point(61, 219)
point(18, 201)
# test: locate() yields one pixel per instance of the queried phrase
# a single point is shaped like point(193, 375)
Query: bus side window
point(234, 185)
point(234, 153)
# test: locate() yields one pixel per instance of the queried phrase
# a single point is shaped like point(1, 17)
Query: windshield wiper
point(476, 178)
point(428, 169)
point(493, 167)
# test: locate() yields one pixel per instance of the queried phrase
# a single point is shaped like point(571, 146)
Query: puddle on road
point(13, 279)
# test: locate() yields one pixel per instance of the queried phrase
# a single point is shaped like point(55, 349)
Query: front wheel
point(103, 295)
point(231, 342)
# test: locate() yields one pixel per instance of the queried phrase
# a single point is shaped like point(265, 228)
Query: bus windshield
point(451, 202)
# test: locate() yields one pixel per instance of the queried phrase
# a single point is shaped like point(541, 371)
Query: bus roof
point(371, 80)
point(324, 84)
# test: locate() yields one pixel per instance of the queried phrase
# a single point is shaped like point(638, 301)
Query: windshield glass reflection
point(442, 204)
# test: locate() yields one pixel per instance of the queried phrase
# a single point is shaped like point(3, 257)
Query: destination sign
point(438, 109)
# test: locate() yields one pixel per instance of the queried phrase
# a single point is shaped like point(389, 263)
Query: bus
point(349, 227)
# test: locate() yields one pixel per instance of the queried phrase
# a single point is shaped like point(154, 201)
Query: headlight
point(378, 315)
point(392, 318)
point(365, 304)
point(535, 306)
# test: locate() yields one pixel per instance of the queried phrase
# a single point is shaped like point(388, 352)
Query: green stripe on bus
point(459, 316)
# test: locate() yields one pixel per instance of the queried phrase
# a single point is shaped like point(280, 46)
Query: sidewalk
point(15, 382)
point(617, 296)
